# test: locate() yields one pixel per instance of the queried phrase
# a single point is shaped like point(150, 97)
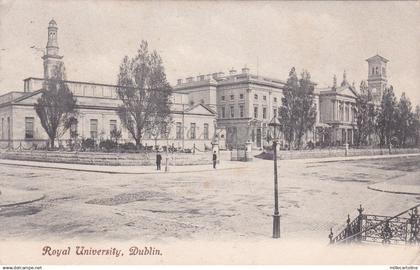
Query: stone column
point(248, 150)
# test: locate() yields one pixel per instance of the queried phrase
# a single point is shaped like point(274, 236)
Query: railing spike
point(331, 235)
point(360, 209)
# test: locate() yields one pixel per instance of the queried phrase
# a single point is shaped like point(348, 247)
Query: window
point(178, 130)
point(255, 96)
point(275, 99)
point(241, 96)
point(94, 128)
point(232, 97)
point(241, 111)
point(223, 112)
point(264, 97)
point(232, 112)
point(29, 127)
point(347, 113)
point(223, 97)
point(112, 125)
point(255, 112)
point(264, 113)
point(8, 128)
point(206, 131)
point(274, 112)
point(192, 131)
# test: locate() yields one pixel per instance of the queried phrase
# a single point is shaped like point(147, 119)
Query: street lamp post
point(274, 125)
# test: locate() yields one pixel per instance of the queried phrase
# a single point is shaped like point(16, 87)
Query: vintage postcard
point(209, 132)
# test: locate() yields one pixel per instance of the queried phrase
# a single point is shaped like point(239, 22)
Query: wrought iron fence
point(399, 229)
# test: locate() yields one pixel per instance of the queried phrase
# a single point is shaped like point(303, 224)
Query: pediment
point(347, 91)
point(200, 109)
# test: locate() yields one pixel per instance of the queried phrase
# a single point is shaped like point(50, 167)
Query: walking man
point(214, 159)
point(158, 160)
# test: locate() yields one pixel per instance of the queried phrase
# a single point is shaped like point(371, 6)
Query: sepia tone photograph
point(209, 133)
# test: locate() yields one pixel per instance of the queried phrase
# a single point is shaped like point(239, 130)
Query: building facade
point(245, 103)
point(337, 105)
point(192, 125)
point(234, 108)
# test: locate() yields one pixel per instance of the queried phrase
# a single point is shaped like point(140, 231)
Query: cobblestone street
point(213, 205)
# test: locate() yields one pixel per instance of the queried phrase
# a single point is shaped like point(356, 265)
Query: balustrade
point(399, 229)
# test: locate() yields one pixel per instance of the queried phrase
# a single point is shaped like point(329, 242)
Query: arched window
point(377, 70)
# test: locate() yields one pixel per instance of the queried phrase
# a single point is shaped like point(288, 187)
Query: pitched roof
point(377, 56)
point(211, 111)
point(338, 90)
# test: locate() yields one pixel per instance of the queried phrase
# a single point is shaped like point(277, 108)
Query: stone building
point(234, 108)
point(245, 103)
point(192, 125)
point(337, 112)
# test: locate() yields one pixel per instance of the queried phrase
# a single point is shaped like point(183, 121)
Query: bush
point(128, 146)
point(88, 143)
point(267, 148)
point(107, 145)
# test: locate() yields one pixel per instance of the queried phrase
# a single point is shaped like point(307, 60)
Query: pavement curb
point(352, 158)
point(116, 172)
point(394, 192)
point(24, 202)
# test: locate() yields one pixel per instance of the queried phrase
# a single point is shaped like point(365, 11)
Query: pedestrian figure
point(214, 160)
point(158, 160)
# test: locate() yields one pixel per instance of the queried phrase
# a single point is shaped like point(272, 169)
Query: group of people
point(159, 160)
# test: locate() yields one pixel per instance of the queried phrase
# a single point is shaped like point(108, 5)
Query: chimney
point(232, 71)
point(245, 70)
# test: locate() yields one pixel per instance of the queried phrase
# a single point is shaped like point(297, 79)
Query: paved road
point(214, 205)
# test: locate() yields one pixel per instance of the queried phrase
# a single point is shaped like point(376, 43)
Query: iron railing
point(402, 228)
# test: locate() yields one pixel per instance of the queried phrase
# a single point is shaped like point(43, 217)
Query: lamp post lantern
point(274, 125)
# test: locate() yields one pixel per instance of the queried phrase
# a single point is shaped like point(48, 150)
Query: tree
point(298, 112)
point(417, 126)
point(115, 135)
point(144, 92)
point(364, 115)
point(405, 120)
point(160, 129)
point(386, 120)
point(56, 108)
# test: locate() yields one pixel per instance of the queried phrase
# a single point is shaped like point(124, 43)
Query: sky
point(197, 38)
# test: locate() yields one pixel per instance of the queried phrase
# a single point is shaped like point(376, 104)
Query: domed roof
point(52, 23)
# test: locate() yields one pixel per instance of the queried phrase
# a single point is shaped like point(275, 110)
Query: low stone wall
point(324, 153)
point(111, 159)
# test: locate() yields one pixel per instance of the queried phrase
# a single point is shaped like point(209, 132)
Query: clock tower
point(377, 76)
